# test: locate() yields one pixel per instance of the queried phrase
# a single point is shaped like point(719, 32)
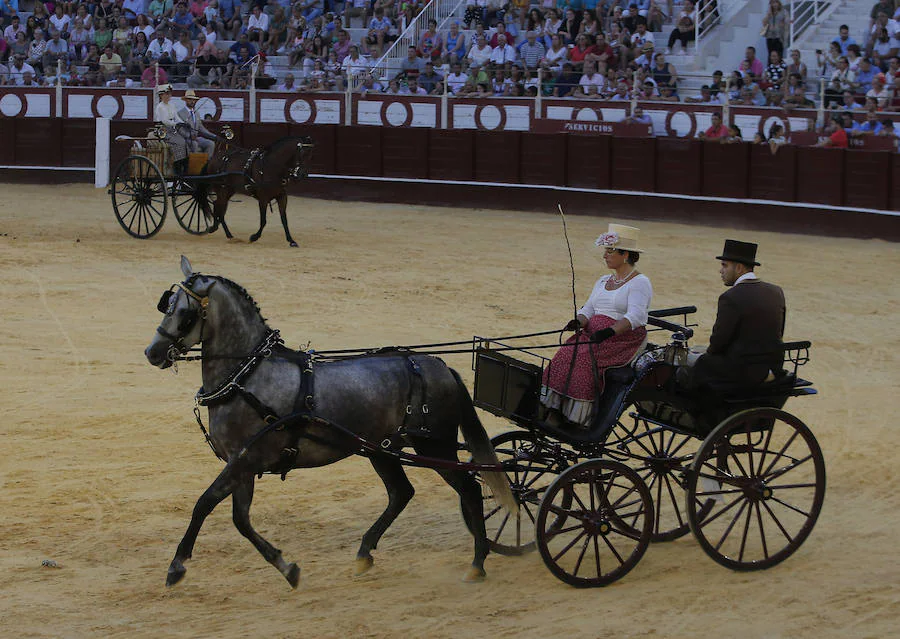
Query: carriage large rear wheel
point(530, 468)
point(193, 208)
point(139, 196)
point(591, 547)
point(662, 456)
point(766, 474)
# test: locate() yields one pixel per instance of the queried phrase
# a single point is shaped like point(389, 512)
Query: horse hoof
point(293, 575)
point(362, 565)
point(175, 574)
point(293, 244)
point(253, 238)
point(474, 575)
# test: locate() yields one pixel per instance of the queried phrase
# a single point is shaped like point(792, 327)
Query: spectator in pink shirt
point(717, 130)
point(756, 65)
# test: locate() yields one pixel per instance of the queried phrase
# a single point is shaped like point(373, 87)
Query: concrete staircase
point(853, 13)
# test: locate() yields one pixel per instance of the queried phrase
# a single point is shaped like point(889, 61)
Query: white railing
point(438, 10)
point(803, 14)
point(709, 14)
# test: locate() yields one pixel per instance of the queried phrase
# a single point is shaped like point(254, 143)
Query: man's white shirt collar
point(746, 277)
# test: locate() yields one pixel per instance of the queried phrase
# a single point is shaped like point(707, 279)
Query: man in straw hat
point(196, 135)
point(745, 345)
point(612, 322)
point(167, 115)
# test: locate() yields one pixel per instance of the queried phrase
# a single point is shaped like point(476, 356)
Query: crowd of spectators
point(583, 48)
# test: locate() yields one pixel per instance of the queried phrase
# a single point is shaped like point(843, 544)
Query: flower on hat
point(608, 240)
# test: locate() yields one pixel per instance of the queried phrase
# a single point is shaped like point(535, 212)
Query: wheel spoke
point(493, 512)
point(658, 503)
point(724, 510)
point(781, 471)
point(569, 545)
point(762, 532)
point(524, 507)
point(613, 549)
point(787, 505)
point(597, 555)
point(765, 450)
point(781, 452)
point(674, 502)
point(744, 536)
point(501, 527)
point(778, 523)
point(731, 525)
point(750, 464)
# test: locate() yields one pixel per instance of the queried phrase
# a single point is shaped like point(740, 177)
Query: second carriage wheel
point(531, 464)
point(591, 499)
point(662, 456)
point(193, 207)
point(139, 196)
point(766, 473)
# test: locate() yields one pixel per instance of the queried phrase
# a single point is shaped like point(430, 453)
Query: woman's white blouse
point(631, 301)
point(167, 114)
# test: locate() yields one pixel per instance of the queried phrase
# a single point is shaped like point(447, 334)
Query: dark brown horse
point(263, 173)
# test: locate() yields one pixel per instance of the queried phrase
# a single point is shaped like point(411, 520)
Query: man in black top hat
point(745, 345)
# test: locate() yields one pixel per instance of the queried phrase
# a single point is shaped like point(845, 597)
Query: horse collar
point(243, 370)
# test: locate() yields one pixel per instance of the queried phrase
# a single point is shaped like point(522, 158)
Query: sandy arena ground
point(102, 461)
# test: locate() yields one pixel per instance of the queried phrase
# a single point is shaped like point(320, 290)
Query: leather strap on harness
point(415, 418)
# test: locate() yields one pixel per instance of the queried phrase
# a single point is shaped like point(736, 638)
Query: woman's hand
point(573, 325)
point(602, 335)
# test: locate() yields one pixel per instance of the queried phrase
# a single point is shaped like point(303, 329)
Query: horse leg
point(223, 486)
point(400, 491)
point(241, 499)
point(262, 217)
point(473, 512)
point(221, 205)
point(281, 198)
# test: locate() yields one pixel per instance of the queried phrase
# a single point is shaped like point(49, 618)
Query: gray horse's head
point(184, 307)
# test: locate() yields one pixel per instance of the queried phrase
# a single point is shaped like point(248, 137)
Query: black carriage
point(145, 183)
point(723, 462)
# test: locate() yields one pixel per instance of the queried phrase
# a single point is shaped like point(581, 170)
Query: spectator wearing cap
point(843, 39)
point(716, 131)
point(531, 51)
point(645, 60)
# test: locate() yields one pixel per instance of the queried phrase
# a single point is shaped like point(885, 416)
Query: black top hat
point(743, 252)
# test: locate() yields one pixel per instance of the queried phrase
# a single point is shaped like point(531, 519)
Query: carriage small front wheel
point(766, 473)
point(591, 547)
point(530, 469)
point(139, 196)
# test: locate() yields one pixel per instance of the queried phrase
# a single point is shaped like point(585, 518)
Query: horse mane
point(242, 292)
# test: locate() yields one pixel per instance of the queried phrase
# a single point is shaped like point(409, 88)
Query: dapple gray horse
point(368, 395)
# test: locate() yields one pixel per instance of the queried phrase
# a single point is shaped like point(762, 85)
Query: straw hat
point(189, 95)
point(620, 237)
point(164, 88)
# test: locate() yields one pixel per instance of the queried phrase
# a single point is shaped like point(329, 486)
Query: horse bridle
point(188, 322)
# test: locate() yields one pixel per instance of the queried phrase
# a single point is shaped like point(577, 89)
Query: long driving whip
point(571, 261)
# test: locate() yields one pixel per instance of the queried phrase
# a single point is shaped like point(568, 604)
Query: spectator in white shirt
point(880, 92)
point(288, 85)
point(413, 88)
point(503, 53)
point(258, 26)
point(354, 64)
point(590, 77)
point(480, 53)
point(18, 69)
point(456, 79)
point(60, 21)
point(160, 48)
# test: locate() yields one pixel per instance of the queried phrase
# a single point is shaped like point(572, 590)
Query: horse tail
point(480, 446)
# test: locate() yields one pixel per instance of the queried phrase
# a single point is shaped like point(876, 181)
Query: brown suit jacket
point(746, 340)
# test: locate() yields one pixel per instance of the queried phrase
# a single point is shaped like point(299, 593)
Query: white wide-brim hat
point(621, 238)
point(164, 88)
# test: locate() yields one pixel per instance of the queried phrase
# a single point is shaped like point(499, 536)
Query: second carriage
point(145, 183)
point(658, 462)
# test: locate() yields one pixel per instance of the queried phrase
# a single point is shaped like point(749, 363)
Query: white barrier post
point(791, 45)
point(538, 105)
point(59, 89)
point(253, 70)
point(445, 108)
point(348, 102)
point(101, 153)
